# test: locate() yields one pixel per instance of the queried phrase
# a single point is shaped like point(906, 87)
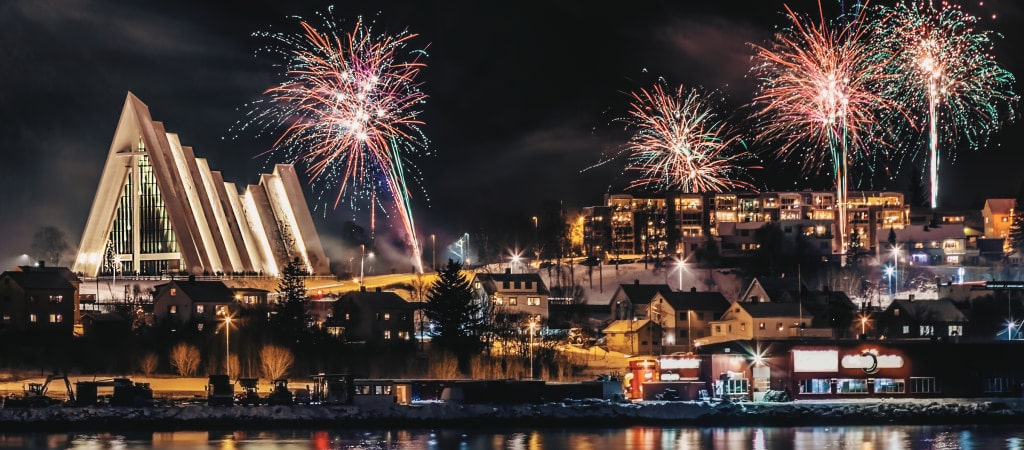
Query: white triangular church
point(159, 209)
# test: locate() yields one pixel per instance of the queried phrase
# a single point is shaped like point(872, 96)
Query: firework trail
point(945, 74)
point(349, 110)
point(680, 144)
point(817, 91)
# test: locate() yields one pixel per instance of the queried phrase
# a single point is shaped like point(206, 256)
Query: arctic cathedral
point(159, 209)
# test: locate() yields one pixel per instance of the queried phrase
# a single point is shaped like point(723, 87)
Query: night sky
point(522, 97)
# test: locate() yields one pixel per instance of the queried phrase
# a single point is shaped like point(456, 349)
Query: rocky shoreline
point(583, 414)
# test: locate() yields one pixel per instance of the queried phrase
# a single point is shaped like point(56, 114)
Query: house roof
point(776, 287)
point(38, 280)
point(925, 233)
point(62, 271)
point(788, 309)
point(625, 326)
point(202, 291)
point(1000, 205)
point(930, 310)
point(490, 281)
point(641, 294)
point(375, 299)
point(698, 301)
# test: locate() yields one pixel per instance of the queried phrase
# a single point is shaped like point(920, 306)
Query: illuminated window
point(815, 386)
point(760, 326)
point(387, 334)
point(387, 316)
point(200, 309)
point(956, 330)
point(403, 335)
point(222, 310)
point(890, 386)
point(927, 330)
point(498, 301)
point(33, 318)
point(512, 301)
point(173, 309)
point(56, 298)
point(532, 301)
point(174, 291)
point(779, 326)
point(851, 386)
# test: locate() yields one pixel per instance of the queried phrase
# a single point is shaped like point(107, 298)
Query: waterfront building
point(373, 317)
point(37, 302)
point(159, 209)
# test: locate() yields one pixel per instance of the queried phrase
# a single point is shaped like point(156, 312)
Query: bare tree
point(148, 363)
point(276, 361)
point(185, 359)
point(49, 244)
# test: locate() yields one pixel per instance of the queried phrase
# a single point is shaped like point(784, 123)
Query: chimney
point(42, 263)
point(362, 288)
point(693, 288)
point(508, 271)
point(636, 282)
point(192, 278)
point(377, 289)
point(910, 297)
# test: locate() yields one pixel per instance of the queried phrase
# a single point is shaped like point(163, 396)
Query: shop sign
point(815, 360)
point(870, 361)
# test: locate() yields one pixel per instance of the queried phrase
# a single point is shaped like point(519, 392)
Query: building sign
point(871, 362)
point(668, 363)
point(815, 360)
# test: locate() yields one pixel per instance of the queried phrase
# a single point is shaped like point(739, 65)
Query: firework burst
point(680, 144)
point(817, 99)
point(944, 74)
point(349, 108)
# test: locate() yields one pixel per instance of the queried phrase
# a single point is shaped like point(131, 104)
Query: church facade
point(159, 209)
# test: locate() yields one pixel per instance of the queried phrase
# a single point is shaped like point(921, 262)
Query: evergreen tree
point(918, 195)
point(457, 319)
point(290, 313)
point(1015, 237)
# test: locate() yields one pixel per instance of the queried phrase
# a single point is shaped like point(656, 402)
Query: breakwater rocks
point(576, 413)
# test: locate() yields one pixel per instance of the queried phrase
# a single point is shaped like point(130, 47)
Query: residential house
point(630, 301)
point(684, 316)
point(37, 302)
point(757, 321)
point(512, 293)
point(64, 272)
point(250, 297)
point(931, 245)
point(373, 317)
point(997, 214)
point(633, 337)
point(922, 319)
point(202, 302)
point(772, 290)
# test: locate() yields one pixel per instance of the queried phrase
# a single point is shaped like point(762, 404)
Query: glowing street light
point(533, 323)
point(889, 271)
point(227, 344)
point(863, 324)
point(896, 271)
point(433, 251)
point(681, 265)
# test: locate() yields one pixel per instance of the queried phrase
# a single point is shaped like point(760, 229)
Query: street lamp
point(227, 344)
point(888, 274)
point(896, 271)
point(433, 251)
point(533, 323)
point(362, 263)
point(681, 265)
point(863, 324)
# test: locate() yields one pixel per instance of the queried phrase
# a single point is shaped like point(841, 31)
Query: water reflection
point(799, 438)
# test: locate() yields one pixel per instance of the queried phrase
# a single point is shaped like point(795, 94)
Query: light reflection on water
point(639, 437)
